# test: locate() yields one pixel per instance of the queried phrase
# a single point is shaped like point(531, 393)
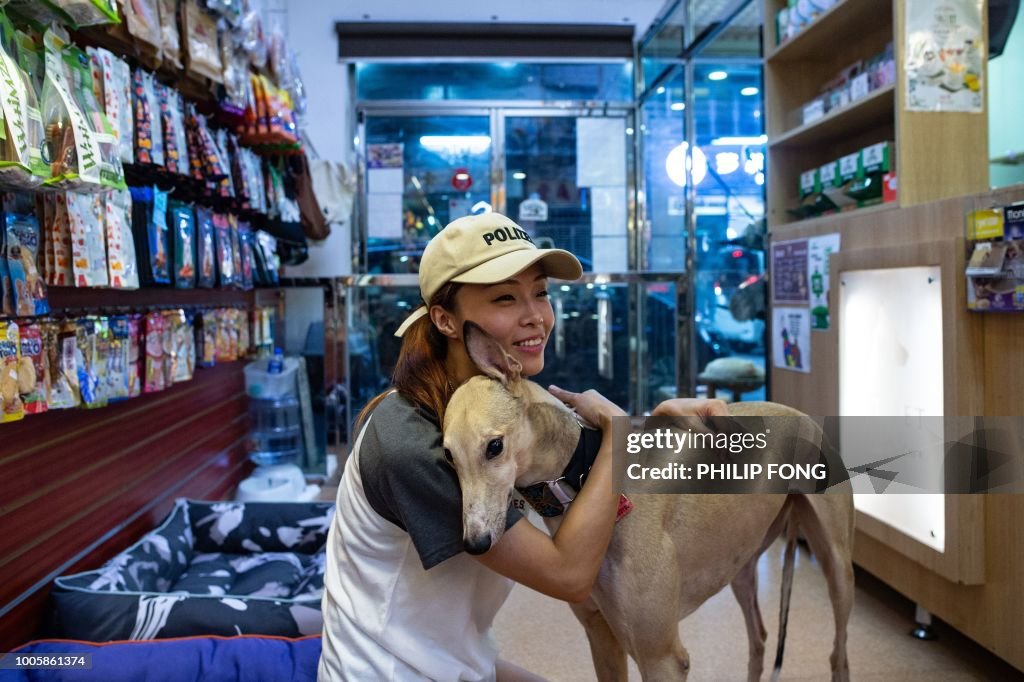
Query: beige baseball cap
point(484, 249)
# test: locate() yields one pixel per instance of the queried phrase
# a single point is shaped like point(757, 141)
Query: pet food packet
point(143, 119)
point(6, 289)
point(246, 254)
point(154, 376)
point(90, 361)
point(117, 100)
point(244, 333)
point(88, 240)
point(206, 254)
point(22, 252)
point(183, 228)
point(208, 335)
point(39, 13)
point(225, 250)
point(136, 357)
point(170, 41)
point(89, 12)
point(101, 359)
point(59, 342)
point(182, 350)
point(156, 121)
point(236, 251)
point(21, 132)
point(170, 357)
point(118, 359)
point(33, 370)
point(48, 208)
point(172, 118)
point(121, 263)
point(75, 158)
point(204, 57)
point(11, 406)
point(87, 92)
point(63, 251)
point(224, 322)
point(143, 20)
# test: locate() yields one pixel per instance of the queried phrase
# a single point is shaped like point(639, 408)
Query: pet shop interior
point(213, 213)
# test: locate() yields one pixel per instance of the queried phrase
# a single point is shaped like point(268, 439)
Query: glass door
point(420, 172)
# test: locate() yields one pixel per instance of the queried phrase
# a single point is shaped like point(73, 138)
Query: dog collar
point(552, 498)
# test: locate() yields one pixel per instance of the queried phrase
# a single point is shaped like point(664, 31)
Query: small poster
point(600, 152)
point(384, 155)
point(533, 209)
point(945, 55)
point(791, 339)
point(819, 249)
point(789, 272)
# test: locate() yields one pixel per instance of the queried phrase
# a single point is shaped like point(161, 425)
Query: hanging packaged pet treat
point(22, 254)
point(89, 363)
point(206, 254)
point(224, 322)
point(170, 321)
point(88, 240)
point(63, 253)
point(39, 13)
point(11, 406)
point(183, 228)
point(136, 358)
point(236, 251)
point(182, 348)
point(89, 12)
point(21, 133)
point(154, 353)
point(33, 370)
point(149, 142)
point(6, 290)
point(101, 359)
point(212, 166)
point(246, 256)
point(121, 263)
point(117, 99)
point(172, 119)
point(170, 41)
point(88, 94)
point(47, 209)
point(203, 49)
point(143, 20)
point(118, 360)
point(61, 346)
point(149, 221)
point(225, 250)
point(206, 337)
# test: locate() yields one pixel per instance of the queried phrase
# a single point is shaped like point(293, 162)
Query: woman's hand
point(590, 405)
point(691, 407)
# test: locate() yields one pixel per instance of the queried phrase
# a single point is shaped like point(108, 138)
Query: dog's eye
point(448, 456)
point(494, 448)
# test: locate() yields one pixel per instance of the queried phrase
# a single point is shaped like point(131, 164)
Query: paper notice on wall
point(384, 215)
point(385, 155)
point(818, 251)
point(791, 339)
point(600, 152)
point(385, 181)
point(789, 272)
point(945, 55)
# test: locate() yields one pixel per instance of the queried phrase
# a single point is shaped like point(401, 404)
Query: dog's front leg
point(608, 654)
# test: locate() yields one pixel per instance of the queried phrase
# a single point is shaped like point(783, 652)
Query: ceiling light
point(519, 175)
point(717, 76)
point(677, 106)
point(739, 141)
point(749, 92)
point(661, 90)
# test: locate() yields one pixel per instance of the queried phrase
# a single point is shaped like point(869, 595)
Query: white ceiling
point(639, 13)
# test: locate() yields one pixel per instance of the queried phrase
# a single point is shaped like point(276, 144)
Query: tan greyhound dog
point(670, 554)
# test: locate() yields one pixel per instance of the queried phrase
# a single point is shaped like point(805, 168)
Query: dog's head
point(486, 438)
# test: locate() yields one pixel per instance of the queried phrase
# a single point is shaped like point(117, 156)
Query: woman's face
point(516, 313)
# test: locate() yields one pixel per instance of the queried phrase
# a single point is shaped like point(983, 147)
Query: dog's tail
point(787, 590)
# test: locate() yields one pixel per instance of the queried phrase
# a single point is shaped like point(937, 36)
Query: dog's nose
point(477, 545)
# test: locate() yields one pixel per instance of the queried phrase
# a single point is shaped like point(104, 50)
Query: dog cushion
point(211, 568)
point(211, 659)
point(732, 370)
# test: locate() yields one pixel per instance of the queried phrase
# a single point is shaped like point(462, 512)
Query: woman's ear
point(488, 355)
point(444, 321)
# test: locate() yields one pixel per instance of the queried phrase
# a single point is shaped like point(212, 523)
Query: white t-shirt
point(401, 600)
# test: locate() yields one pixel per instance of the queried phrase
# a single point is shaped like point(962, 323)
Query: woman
point(402, 600)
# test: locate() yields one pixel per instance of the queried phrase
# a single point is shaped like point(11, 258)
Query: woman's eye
point(494, 448)
point(506, 297)
point(543, 294)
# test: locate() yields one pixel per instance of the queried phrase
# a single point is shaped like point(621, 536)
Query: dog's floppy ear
point(488, 355)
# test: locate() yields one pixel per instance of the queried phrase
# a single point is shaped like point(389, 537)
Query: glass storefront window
point(662, 49)
point(422, 172)
point(740, 38)
point(606, 81)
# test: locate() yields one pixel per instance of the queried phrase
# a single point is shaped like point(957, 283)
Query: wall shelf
point(874, 110)
point(847, 18)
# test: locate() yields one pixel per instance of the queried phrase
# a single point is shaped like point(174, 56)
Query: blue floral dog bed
point(211, 568)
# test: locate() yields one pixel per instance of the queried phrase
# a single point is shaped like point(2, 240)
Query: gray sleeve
point(408, 481)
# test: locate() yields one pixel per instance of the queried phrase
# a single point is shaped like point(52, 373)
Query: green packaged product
point(810, 189)
point(876, 162)
point(844, 173)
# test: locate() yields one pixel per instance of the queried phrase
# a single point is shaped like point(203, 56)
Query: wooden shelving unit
point(930, 163)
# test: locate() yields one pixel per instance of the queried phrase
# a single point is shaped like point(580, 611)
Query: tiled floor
point(542, 635)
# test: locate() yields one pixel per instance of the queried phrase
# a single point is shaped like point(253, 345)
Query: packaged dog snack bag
point(121, 263)
point(89, 12)
point(118, 359)
point(91, 362)
point(22, 254)
point(143, 20)
point(7, 302)
point(33, 370)
point(59, 340)
point(207, 336)
point(21, 135)
point(183, 228)
point(170, 321)
point(182, 348)
point(116, 80)
point(246, 254)
point(236, 252)
point(172, 119)
point(11, 407)
point(206, 254)
point(88, 239)
point(169, 36)
point(149, 225)
point(154, 377)
point(225, 250)
point(63, 274)
point(136, 357)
